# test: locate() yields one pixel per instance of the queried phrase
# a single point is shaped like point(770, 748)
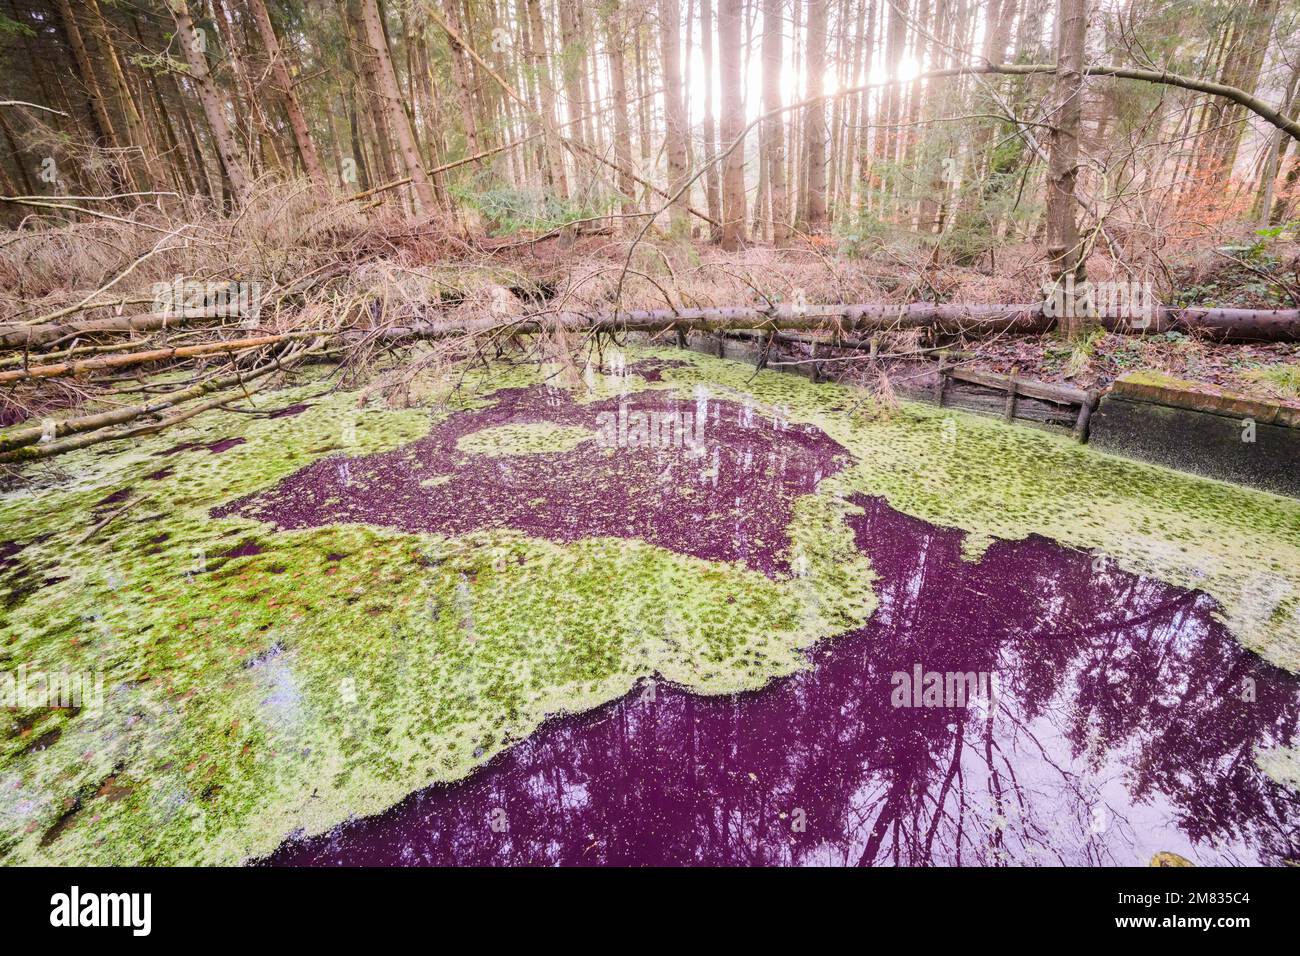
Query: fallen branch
point(34, 336)
point(14, 440)
point(78, 369)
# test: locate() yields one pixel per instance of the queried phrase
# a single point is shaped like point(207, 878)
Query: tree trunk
point(814, 207)
point(140, 158)
point(733, 127)
point(1063, 253)
point(297, 119)
point(712, 181)
point(546, 84)
point(773, 145)
point(573, 59)
point(105, 135)
point(674, 112)
point(460, 75)
point(615, 39)
point(213, 107)
point(399, 120)
point(377, 114)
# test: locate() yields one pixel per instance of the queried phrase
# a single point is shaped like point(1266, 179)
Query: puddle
point(1124, 723)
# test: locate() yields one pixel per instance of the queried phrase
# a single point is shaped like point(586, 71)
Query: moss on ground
point(527, 438)
point(259, 683)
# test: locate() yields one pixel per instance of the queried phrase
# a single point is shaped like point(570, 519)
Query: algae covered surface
point(265, 677)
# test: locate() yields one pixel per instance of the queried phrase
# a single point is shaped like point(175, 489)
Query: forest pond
point(668, 611)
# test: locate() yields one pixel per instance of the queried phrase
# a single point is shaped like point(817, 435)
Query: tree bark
point(399, 120)
point(733, 127)
point(674, 112)
point(712, 181)
point(293, 109)
point(140, 158)
point(814, 203)
point(546, 85)
point(460, 75)
point(773, 131)
point(210, 98)
point(1064, 261)
point(377, 114)
point(105, 134)
point(615, 40)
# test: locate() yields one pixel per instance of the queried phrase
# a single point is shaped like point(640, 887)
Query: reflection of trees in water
point(1120, 710)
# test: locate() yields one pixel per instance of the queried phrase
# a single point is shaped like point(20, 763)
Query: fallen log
point(88, 366)
point(1225, 325)
point(20, 437)
point(971, 319)
point(35, 336)
point(1219, 324)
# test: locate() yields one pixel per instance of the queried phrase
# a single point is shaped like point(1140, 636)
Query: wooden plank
point(1048, 391)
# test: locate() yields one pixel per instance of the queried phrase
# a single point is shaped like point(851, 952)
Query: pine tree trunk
point(572, 62)
point(712, 180)
point(460, 75)
point(1063, 253)
point(615, 40)
point(546, 85)
point(733, 127)
point(297, 119)
point(399, 121)
point(210, 98)
point(105, 134)
point(773, 145)
point(377, 114)
point(674, 112)
point(138, 138)
point(814, 206)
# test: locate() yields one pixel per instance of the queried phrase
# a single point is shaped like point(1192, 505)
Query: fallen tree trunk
point(1225, 325)
point(13, 440)
point(35, 336)
point(89, 366)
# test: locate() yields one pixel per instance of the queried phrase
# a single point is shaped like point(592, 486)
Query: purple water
point(215, 447)
point(290, 410)
point(1119, 730)
point(723, 494)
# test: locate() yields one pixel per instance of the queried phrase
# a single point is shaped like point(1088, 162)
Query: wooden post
point(1085, 415)
point(1009, 413)
point(681, 339)
point(816, 366)
point(763, 350)
point(941, 388)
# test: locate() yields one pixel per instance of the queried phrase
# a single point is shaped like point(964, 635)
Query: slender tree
point(615, 42)
point(674, 111)
point(733, 127)
point(399, 120)
point(293, 109)
point(194, 48)
point(1064, 257)
point(813, 214)
point(774, 126)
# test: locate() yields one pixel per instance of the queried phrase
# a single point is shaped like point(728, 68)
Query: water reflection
point(1125, 723)
point(704, 477)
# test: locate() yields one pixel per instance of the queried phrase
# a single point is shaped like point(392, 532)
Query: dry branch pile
point(114, 324)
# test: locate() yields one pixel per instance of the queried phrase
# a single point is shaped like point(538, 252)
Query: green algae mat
point(289, 621)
